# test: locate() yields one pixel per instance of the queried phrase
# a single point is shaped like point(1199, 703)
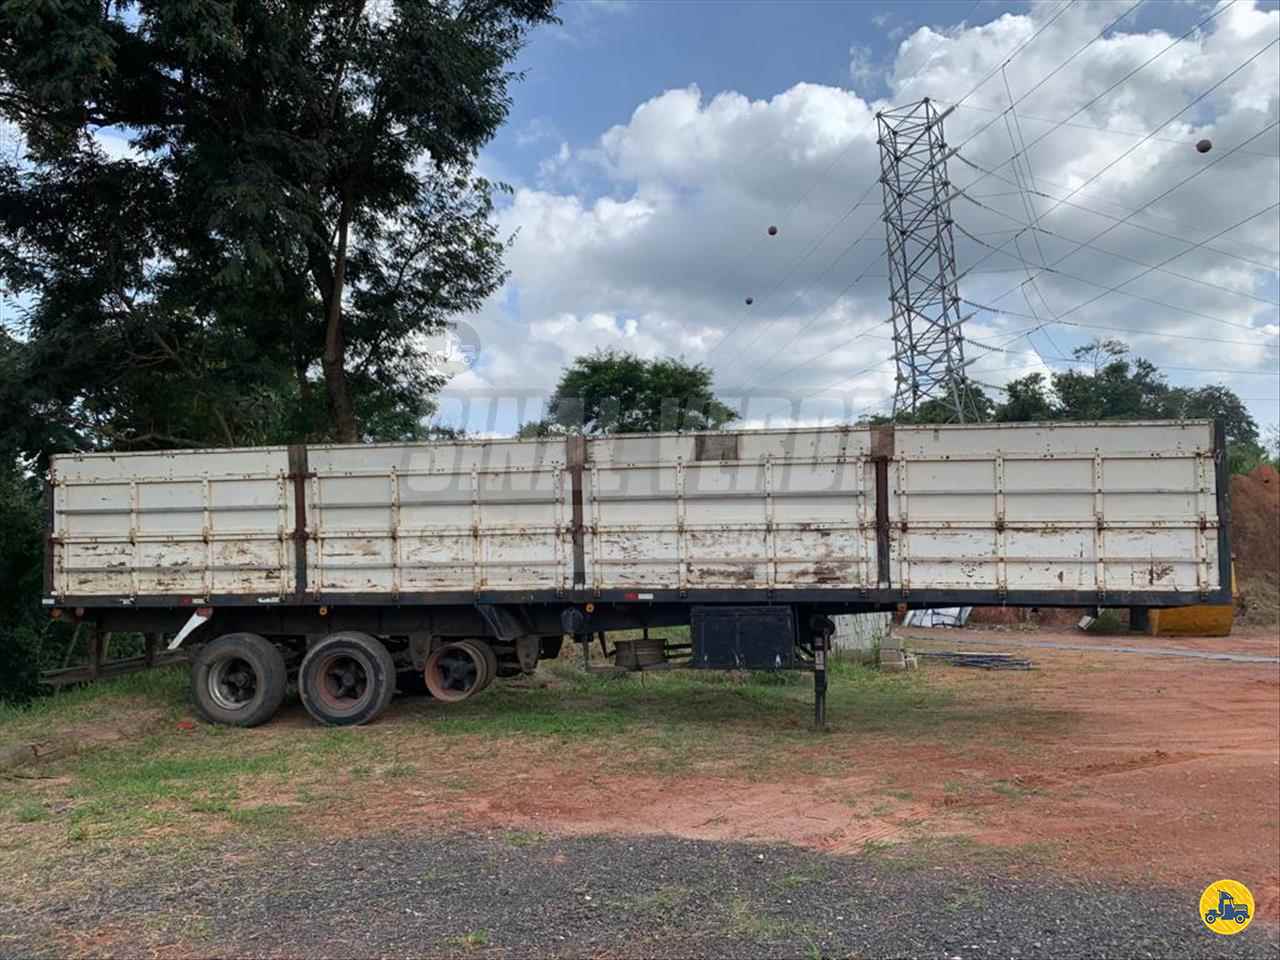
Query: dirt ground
point(1169, 772)
point(1145, 772)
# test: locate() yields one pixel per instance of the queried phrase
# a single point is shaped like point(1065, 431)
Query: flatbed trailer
point(348, 569)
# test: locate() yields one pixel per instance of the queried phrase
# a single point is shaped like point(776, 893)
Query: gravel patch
point(522, 895)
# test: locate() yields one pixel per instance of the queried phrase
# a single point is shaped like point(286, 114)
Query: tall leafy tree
point(296, 201)
point(1111, 384)
point(612, 392)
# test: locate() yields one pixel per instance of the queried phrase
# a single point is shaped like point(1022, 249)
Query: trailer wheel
point(238, 679)
point(455, 671)
point(490, 662)
point(348, 678)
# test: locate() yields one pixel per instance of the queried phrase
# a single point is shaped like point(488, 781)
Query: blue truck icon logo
point(1228, 909)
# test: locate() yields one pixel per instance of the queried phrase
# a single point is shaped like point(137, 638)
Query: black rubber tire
point(370, 661)
point(235, 652)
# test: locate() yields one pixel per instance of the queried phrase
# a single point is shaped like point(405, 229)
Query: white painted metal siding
point(767, 509)
point(1088, 507)
point(416, 518)
point(188, 523)
point(1082, 507)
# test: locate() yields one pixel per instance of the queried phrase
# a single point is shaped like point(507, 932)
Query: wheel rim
point(342, 682)
point(454, 672)
point(481, 652)
point(233, 683)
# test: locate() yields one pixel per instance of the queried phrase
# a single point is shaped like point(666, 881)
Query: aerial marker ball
point(773, 231)
point(750, 301)
point(1204, 146)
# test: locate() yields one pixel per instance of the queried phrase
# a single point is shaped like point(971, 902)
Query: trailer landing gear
point(822, 629)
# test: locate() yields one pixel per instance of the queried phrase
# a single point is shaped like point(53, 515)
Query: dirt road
point(1099, 793)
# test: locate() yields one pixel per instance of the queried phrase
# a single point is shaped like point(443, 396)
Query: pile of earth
point(1255, 544)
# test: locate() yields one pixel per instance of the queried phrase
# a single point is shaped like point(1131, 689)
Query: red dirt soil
point(1255, 544)
point(1162, 769)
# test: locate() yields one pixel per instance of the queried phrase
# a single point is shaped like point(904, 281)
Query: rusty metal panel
point(185, 523)
point(1024, 509)
point(1088, 507)
point(476, 515)
point(790, 509)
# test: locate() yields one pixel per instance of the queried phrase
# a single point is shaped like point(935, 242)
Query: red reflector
point(205, 612)
point(631, 596)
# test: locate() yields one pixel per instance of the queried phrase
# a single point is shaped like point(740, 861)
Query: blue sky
point(652, 142)
point(579, 82)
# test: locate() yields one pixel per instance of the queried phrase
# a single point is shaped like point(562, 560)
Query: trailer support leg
point(821, 629)
point(819, 682)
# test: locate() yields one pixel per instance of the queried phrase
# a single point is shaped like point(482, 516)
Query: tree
point(23, 625)
point(1026, 399)
point(298, 200)
point(611, 392)
point(1117, 386)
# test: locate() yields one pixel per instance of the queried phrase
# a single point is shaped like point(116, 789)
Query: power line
point(1103, 250)
point(1133, 330)
point(1146, 135)
point(1062, 201)
point(1094, 283)
point(1120, 222)
point(872, 185)
point(1114, 161)
point(864, 332)
point(1026, 43)
point(1217, 12)
point(1151, 269)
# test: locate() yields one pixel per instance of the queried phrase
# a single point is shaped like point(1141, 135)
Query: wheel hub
point(232, 683)
point(345, 681)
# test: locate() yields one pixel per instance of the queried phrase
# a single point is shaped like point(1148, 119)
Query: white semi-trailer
point(343, 567)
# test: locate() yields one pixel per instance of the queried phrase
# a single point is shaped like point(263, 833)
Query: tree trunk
point(335, 347)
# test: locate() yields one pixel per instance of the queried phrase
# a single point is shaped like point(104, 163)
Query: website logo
point(1226, 906)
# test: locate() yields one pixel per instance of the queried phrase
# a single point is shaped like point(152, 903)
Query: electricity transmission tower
point(927, 325)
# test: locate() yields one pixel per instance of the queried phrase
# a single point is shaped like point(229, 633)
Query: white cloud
point(863, 67)
point(661, 261)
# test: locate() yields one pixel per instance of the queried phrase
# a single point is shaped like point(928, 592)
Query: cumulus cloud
point(660, 252)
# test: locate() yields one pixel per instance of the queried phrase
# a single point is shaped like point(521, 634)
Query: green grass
point(665, 723)
point(656, 903)
point(156, 781)
point(745, 920)
point(164, 689)
point(267, 817)
point(793, 881)
point(30, 812)
point(588, 705)
point(470, 940)
point(521, 838)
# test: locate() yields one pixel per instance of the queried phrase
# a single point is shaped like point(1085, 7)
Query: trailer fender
point(198, 619)
point(505, 623)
